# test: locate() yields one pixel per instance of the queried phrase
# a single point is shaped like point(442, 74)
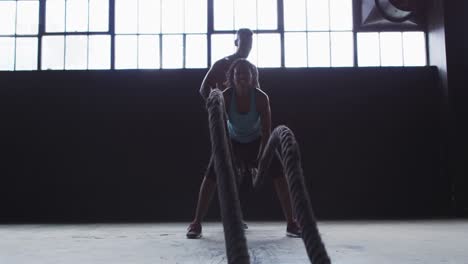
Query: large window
point(391, 49)
point(76, 35)
point(318, 33)
point(19, 28)
point(153, 34)
point(171, 34)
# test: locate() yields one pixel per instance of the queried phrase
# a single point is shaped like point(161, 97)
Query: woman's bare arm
point(263, 107)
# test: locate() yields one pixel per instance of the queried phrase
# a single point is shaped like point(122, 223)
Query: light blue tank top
point(243, 128)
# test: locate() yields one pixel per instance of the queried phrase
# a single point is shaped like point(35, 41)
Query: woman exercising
point(249, 128)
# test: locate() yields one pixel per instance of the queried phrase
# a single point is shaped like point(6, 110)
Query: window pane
point(126, 16)
point(99, 52)
point(196, 51)
point(55, 15)
point(223, 14)
point(245, 14)
point(7, 54)
point(98, 15)
point(295, 50)
point(269, 50)
point(341, 14)
point(76, 52)
point(126, 52)
point(7, 17)
point(77, 15)
point(172, 56)
point(172, 16)
point(294, 15)
point(222, 45)
point(149, 16)
point(28, 17)
point(391, 49)
point(368, 49)
point(195, 16)
point(267, 14)
point(52, 53)
point(253, 55)
point(318, 15)
point(26, 54)
point(318, 49)
point(148, 52)
point(414, 47)
point(342, 52)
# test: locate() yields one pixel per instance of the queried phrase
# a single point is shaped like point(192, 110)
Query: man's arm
point(210, 81)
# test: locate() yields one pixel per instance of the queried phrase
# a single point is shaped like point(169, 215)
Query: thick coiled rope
point(283, 140)
point(236, 243)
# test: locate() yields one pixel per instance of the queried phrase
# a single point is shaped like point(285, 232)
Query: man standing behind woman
point(249, 127)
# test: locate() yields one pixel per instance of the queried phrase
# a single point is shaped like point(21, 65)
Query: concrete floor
point(350, 242)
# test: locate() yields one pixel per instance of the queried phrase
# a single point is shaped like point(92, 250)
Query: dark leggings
point(245, 156)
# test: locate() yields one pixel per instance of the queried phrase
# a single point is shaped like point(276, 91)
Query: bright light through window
point(26, 54)
point(126, 16)
point(341, 14)
point(414, 48)
point(318, 15)
point(7, 17)
point(253, 55)
point(173, 16)
point(391, 49)
point(319, 49)
point(253, 14)
point(196, 55)
point(295, 50)
point(222, 45)
point(7, 54)
point(126, 48)
point(76, 52)
point(77, 15)
point(99, 52)
point(196, 16)
point(342, 49)
point(223, 14)
point(267, 14)
point(294, 15)
point(368, 49)
point(245, 14)
point(173, 34)
point(172, 52)
point(269, 50)
point(53, 52)
point(148, 52)
point(149, 16)
point(98, 15)
point(27, 20)
point(55, 15)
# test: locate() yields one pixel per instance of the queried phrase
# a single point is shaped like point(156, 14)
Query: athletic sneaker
point(293, 230)
point(194, 231)
point(244, 225)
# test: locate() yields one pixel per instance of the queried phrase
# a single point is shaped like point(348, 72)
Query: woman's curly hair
point(253, 69)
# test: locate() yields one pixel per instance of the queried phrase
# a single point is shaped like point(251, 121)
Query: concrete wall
point(133, 145)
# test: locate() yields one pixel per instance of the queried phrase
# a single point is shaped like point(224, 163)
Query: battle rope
point(282, 139)
point(236, 243)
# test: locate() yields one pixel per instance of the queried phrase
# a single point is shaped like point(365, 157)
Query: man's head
point(243, 42)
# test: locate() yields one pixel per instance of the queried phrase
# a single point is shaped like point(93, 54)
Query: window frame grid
point(15, 36)
point(160, 36)
point(43, 33)
point(209, 32)
point(329, 31)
